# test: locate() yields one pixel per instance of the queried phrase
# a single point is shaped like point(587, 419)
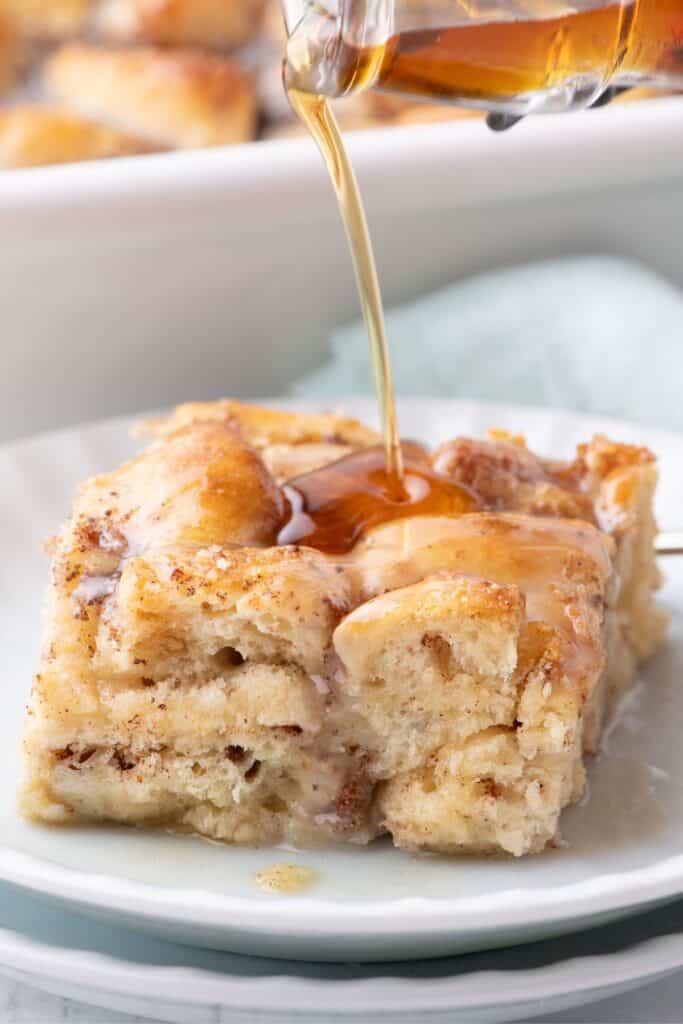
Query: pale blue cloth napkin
point(595, 334)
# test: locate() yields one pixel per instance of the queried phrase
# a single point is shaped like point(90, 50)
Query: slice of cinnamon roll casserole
point(439, 680)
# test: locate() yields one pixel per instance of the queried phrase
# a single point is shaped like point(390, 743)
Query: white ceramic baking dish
point(129, 284)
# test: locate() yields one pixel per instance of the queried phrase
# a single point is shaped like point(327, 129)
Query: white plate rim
point(310, 917)
point(588, 976)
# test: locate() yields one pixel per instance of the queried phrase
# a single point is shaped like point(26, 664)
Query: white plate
point(623, 844)
point(66, 955)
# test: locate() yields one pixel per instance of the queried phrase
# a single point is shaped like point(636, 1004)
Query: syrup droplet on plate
point(285, 878)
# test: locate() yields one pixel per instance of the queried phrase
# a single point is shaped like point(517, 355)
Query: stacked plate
point(175, 928)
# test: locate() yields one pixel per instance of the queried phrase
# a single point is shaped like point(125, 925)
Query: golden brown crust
point(289, 443)
point(11, 53)
point(602, 457)
point(46, 19)
point(510, 477)
point(32, 136)
point(261, 426)
point(219, 24)
point(199, 485)
point(277, 606)
point(181, 98)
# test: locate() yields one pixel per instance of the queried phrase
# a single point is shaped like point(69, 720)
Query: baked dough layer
point(33, 136)
point(11, 53)
point(441, 682)
point(219, 24)
point(46, 19)
point(178, 98)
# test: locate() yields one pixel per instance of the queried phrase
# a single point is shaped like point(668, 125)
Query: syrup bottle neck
point(334, 47)
point(497, 55)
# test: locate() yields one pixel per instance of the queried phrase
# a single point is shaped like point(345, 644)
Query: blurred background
point(88, 79)
point(198, 264)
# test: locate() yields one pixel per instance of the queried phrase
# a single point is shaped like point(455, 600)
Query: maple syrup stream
point(331, 507)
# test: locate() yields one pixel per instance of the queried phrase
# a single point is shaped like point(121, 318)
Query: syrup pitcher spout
point(334, 47)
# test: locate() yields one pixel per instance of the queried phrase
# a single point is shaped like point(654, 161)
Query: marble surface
point(660, 1003)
